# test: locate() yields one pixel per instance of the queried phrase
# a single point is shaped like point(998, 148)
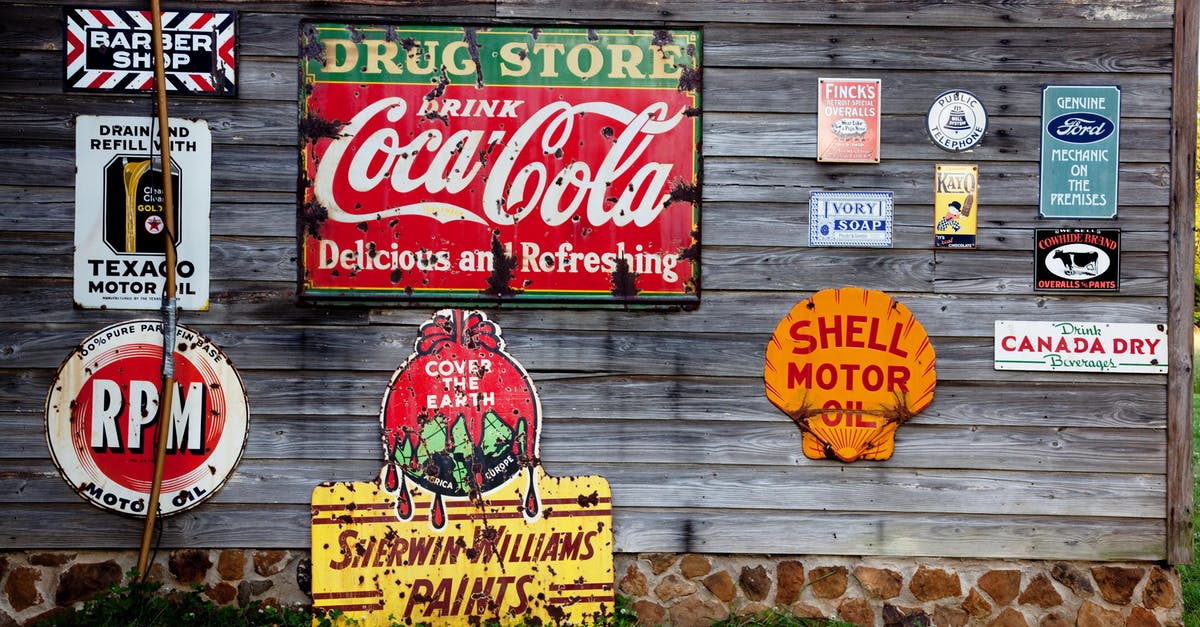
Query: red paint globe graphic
point(460, 417)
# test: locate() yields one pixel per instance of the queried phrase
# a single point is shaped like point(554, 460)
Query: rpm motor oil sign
point(102, 418)
point(451, 164)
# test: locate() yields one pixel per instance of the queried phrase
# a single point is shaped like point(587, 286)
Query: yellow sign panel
point(956, 196)
point(849, 366)
point(487, 564)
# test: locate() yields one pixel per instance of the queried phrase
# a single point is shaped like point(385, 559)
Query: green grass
point(1189, 575)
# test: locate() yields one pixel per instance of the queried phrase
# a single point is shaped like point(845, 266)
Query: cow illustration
point(1077, 262)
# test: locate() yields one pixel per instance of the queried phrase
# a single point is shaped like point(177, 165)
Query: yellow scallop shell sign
point(849, 366)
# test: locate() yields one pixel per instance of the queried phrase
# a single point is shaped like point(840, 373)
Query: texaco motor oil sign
point(102, 418)
point(462, 526)
point(120, 215)
point(491, 164)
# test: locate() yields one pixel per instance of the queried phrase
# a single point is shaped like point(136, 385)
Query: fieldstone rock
point(1116, 583)
point(223, 593)
point(52, 560)
point(1002, 585)
point(1074, 579)
point(1092, 615)
point(189, 565)
point(1054, 619)
point(21, 588)
point(1009, 618)
point(804, 610)
point(947, 616)
point(1159, 590)
point(649, 613)
point(721, 585)
point(672, 587)
point(269, 563)
point(828, 582)
point(231, 564)
point(789, 582)
point(856, 611)
point(8, 621)
point(251, 588)
point(81, 582)
point(692, 566)
point(894, 616)
point(1142, 617)
point(976, 605)
point(1041, 592)
point(881, 583)
point(660, 562)
point(696, 612)
point(931, 584)
point(751, 609)
point(304, 575)
point(633, 583)
point(755, 582)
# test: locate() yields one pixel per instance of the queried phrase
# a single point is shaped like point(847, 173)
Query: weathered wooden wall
point(669, 407)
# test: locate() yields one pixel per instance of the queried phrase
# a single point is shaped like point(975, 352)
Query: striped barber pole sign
point(111, 50)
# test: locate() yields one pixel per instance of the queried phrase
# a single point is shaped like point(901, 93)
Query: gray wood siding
point(669, 407)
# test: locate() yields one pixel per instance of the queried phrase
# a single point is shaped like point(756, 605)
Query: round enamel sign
point(102, 419)
point(849, 366)
point(956, 121)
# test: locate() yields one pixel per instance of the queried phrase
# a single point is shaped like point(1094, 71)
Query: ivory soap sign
point(500, 164)
point(462, 526)
point(1099, 347)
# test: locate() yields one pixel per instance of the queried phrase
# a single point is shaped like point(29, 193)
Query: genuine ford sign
point(1080, 127)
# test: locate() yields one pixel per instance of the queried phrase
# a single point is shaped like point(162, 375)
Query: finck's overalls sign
point(451, 163)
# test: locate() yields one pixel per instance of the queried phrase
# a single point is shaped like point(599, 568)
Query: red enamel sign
point(452, 164)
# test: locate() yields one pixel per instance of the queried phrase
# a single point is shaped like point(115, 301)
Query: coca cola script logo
point(1080, 128)
point(372, 156)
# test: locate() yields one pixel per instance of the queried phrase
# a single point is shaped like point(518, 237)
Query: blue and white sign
point(1081, 131)
point(862, 219)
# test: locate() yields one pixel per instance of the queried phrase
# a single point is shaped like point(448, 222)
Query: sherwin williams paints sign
point(462, 526)
point(500, 164)
point(849, 366)
point(1081, 130)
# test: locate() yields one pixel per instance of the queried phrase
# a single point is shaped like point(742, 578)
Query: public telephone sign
point(500, 164)
point(1081, 132)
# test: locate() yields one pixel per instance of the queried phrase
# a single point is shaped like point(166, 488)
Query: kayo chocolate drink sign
point(500, 164)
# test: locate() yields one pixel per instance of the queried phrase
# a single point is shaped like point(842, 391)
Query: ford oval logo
point(1080, 127)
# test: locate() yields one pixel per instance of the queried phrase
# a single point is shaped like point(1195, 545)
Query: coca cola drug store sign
point(494, 164)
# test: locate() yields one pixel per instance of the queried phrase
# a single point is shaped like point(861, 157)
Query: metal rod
point(168, 375)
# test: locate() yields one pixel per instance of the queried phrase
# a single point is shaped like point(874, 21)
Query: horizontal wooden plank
point(1004, 95)
point(805, 488)
point(877, 49)
point(981, 14)
point(39, 526)
point(961, 359)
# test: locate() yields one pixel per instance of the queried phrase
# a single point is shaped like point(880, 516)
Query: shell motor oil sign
point(849, 366)
point(462, 525)
point(102, 418)
point(452, 164)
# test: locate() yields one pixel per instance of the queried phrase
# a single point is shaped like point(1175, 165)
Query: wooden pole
point(168, 378)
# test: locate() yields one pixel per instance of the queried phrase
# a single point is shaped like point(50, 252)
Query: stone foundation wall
point(681, 590)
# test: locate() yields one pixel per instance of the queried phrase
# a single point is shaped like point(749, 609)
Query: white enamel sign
point(1081, 346)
